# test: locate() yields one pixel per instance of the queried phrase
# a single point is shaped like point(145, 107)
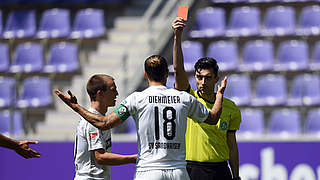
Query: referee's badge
point(223, 125)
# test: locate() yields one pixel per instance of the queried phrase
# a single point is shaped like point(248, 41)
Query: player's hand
point(70, 100)
point(223, 86)
point(25, 151)
point(178, 25)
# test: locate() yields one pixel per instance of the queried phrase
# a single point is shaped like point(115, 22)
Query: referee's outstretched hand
point(70, 100)
point(223, 86)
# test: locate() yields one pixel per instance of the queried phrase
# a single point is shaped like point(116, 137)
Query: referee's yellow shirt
point(208, 143)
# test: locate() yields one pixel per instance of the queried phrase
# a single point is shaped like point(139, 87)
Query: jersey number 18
point(168, 136)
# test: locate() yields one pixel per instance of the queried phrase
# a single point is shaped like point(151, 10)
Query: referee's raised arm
point(216, 110)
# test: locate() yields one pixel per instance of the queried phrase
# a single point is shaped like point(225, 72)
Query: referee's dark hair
point(95, 83)
point(207, 63)
point(156, 68)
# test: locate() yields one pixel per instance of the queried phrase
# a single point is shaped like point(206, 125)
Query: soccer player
point(160, 115)
point(92, 149)
point(208, 147)
point(21, 147)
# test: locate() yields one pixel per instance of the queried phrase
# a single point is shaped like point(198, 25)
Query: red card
point(183, 12)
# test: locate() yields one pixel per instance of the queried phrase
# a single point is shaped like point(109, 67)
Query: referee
point(208, 147)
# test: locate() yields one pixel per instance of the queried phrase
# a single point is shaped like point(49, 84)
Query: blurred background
point(270, 49)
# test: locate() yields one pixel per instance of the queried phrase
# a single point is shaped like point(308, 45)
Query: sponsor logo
point(93, 135)
point(223, 125)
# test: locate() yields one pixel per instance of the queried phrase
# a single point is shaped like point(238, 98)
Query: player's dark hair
point(156, 67)
point(95, 83)
point(207, 63)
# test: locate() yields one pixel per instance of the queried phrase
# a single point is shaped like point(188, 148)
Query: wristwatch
point(236, 178)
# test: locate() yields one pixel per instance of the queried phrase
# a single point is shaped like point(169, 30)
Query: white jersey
point(89, 138)
point(160, 115)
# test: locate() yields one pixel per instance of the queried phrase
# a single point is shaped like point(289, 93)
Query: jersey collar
point(211, 102)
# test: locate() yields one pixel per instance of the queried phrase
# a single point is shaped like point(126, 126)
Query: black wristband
point(236, 178)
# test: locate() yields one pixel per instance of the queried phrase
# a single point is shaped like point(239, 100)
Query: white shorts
point(162, 174)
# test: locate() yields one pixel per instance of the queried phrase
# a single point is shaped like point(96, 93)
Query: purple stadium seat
point(270, 90)
point(305, 90)
point(252, 122)
point(7, 92)
point(20, 24)
point(88, 23)
point(210, 23)
point(63, 58)
point(315, 59)
point(312, 124)
point(285, 121)
point(28, 58)
point(192, 51)
point(192, 82)
point(309, 21)
point(238, 89)
point(36, 92)
point(257, 56)
point(292, 56)
point(279, 21)
point(226, 54)
point(4, 58)
point(5, 118)
point(55, 23)
point(244, 21)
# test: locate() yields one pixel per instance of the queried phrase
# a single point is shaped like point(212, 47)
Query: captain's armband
point(122, 112)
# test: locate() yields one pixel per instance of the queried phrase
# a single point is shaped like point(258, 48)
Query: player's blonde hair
point(95, 83)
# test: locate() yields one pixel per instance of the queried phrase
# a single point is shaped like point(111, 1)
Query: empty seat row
point(283, 121)
point(54, 23)
point(246, 21)
point(28, 58)
point(257, 55)
point(36, 92)
point(269, 90)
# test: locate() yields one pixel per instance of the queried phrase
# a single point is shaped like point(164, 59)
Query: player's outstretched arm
point(180, 75)
point(21, 147)
point(101, 122)
point(111, 159)
point(216, 110)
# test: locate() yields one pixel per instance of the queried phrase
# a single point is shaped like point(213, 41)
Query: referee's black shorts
point(208, 170)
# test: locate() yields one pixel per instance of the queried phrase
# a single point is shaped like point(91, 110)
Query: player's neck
point(98, 106)
point(155, 83)
point(209, 97)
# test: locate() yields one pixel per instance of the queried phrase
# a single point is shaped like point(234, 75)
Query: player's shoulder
point(228, 103)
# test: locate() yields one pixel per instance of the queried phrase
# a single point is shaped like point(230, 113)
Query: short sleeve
point(129, 103)
point(197, 111)
point(94, 138)
point(235, 118)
